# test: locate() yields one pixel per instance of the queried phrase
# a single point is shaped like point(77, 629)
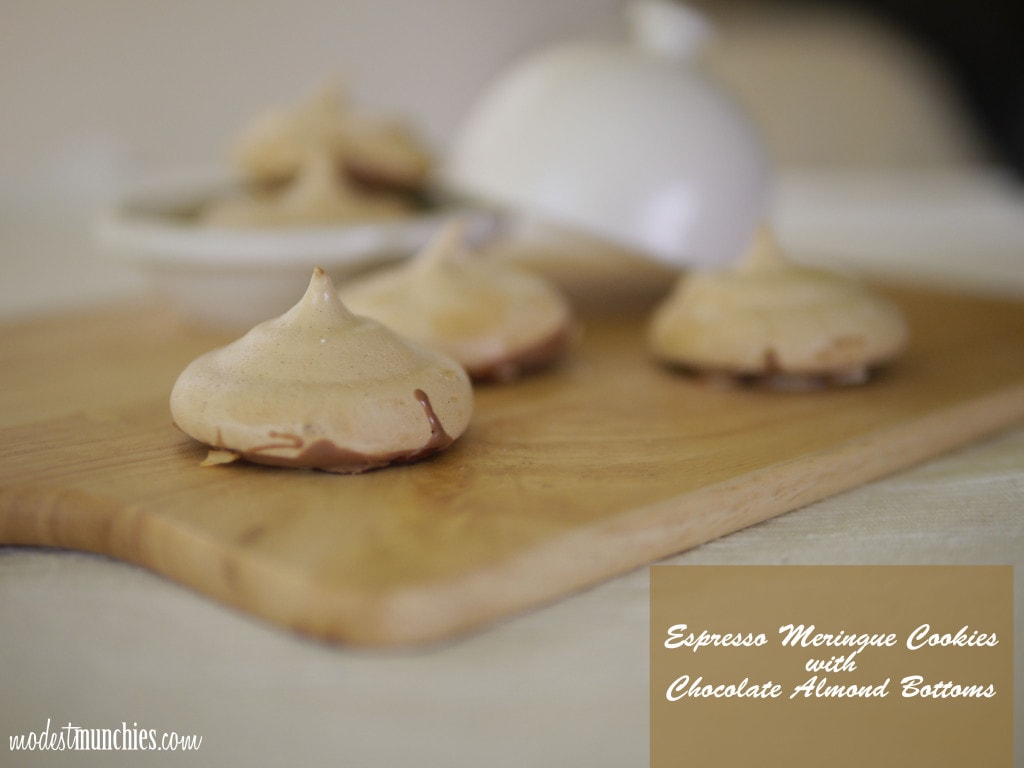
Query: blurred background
point(98, 95)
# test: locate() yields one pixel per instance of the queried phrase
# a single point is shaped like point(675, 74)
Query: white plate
point(236, 278)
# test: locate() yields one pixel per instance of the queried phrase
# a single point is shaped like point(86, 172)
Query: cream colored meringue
point(274, 146)
point(322, 388)
point(384, 152)
point(316, 195)
point(319, 163)
point(770, 317)
point(497, 321)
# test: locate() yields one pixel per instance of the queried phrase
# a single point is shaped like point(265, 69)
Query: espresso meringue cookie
point(316, 195)
point(497, 321)
point(322, 388)
point(383, 151)
point(769, 317)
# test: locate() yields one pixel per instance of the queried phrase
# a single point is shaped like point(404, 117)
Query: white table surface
point(95, 642)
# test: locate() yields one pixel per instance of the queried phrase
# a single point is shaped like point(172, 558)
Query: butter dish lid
point(624, 140)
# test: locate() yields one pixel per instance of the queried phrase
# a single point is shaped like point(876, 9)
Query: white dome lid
point(626, 142)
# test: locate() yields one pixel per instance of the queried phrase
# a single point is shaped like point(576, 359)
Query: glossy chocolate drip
point(439, 439)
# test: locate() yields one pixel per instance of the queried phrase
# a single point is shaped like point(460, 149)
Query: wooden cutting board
point(563, 480)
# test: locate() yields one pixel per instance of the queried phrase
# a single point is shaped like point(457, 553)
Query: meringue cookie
point(322, 388)
point(316, 195)
point(319, 163)
point(380, 151)
point(497, 321)
point(769, 317)
point(273, 147)
point(385, 153)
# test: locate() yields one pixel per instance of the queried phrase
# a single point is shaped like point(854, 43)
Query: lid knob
point(667, 28)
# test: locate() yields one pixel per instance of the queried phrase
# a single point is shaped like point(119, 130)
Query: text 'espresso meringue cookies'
point(497, 321)
point(769, 319)
point(322, 388)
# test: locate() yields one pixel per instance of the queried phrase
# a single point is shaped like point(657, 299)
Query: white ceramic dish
point(235, 278)
point(626, 141)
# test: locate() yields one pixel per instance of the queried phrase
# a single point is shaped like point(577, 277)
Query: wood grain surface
point(564, 479)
